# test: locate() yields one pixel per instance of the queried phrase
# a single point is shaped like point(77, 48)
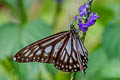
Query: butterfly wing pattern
point(43, 50)
point(65, 50)
point(73, 56)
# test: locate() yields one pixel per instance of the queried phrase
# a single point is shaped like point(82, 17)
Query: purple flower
point(92, 19)
point(76, 18)
point(59, 1)
point(83, 10)
point(84, 26)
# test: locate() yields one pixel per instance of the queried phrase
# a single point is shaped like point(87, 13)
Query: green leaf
point(62, 76)
point(11, 2)
point(49, 8)
point(112, 69)
point(34, 31)
point(6, 74)
point(31, 71)
point(8, 39)
point(103, 11)
point(96, 61)
point(30, 33)
point(115, 8)
point(20, 8)
point(4, 17)
point(111, 40)
point(14, 37)
point(51, 68)
point(3, 74)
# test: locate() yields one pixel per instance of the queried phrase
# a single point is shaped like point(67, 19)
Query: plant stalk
point(56, 16)
point(88, 14)
point(84, 33)
point(23, 15)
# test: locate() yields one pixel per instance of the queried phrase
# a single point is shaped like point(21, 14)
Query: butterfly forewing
point(43, 50)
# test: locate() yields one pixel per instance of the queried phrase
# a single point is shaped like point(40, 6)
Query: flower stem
point(23, 15)
point(10, 7)
point(56, 15)
point(86, 19)
point(73, 76)
point(84, 33)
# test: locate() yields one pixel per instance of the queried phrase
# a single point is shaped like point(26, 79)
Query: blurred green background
point(25, 21)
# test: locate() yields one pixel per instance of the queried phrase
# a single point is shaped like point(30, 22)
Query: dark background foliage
point(25, 21)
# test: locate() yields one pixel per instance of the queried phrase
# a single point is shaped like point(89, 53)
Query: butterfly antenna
point(69, 16)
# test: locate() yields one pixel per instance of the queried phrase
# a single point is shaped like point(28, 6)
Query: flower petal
point(59, 1)
point(93, 16)
point(83, 10)
point(92, 19)
point(76, 18)
point(82, 27)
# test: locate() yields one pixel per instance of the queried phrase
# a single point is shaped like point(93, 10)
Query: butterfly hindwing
point(68, 59)
point(82, 55)
point(43, 50)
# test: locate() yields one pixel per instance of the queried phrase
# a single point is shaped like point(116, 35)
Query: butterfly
point(64, 50)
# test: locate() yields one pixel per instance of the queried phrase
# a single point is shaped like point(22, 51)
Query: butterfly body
point(65, 50)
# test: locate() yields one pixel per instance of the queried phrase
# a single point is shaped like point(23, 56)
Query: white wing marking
point(14, 58)
point(80, 50)
point(68, 47)
point(50, 41)
point(57, 47)
point(70, 67)
point(71, 61)
point(66, 58)
point(31, 55)
point(38, 52)
point(27, 53)
point(75, 66)
point(62, 57)
point(73, 55)
point(48, 49)
point(74, 46)
point(62, 66)
point(36, 48)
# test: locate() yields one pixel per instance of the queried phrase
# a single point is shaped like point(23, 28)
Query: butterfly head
point(73, 29)
point(72, 26)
